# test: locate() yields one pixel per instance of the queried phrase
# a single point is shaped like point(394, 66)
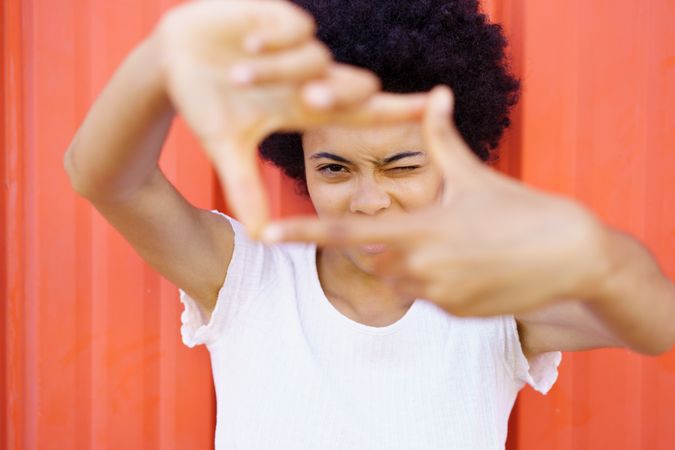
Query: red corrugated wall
point(90, 352)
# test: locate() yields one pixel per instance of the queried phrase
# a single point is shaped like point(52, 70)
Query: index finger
point(383, 109)
point(446, 145)
point(351, 231)
point(246, 197)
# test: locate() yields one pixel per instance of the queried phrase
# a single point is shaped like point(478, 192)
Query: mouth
point(373, 249)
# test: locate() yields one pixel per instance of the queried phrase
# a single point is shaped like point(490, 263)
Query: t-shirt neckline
point(330, 310)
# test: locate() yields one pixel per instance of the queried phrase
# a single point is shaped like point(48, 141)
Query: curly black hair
point(413, 46)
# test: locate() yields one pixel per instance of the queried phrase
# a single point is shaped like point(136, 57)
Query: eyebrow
point(330, 156)
point(396, 157)
point(385, 161)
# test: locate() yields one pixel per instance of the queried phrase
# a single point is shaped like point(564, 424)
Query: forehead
point(376, 141)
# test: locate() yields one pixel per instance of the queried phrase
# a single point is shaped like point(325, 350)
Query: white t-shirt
point(292, 372)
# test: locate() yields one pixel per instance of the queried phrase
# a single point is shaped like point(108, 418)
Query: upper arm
point(563, 326)
point(189, 246)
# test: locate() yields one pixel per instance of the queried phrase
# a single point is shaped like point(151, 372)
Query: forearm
point(635, 300)
point(118, 145)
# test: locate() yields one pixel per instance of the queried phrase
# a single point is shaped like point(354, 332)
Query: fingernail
point(253, 44)
point(318, 96)
point(272, 234)
point(242, 74)
point(444, 102)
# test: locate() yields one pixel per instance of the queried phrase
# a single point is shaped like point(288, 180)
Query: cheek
point(419, 191)
point(329, 199)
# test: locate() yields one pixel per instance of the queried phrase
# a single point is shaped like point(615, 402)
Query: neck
point(358, 294)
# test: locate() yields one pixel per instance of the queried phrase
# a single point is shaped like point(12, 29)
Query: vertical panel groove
point(13, 194)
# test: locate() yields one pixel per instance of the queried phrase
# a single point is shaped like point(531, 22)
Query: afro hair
point(413, 46)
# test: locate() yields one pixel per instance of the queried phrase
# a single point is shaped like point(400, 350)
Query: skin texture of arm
point(112, 161)
point(632, 306)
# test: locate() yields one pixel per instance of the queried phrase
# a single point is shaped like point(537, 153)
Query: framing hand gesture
point(491, 246)
point(240, 70)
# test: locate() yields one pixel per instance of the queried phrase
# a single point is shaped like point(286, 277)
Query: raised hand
point(240, 70)
point(492, 245)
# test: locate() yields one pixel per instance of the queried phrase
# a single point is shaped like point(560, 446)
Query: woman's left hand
point(492, 246)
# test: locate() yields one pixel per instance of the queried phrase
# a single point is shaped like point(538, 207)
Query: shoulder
point(260, 284)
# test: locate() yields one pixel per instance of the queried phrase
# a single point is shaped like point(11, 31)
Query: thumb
point(384, 108)
point(352, 231)
point(237, 168)
point(457, 162)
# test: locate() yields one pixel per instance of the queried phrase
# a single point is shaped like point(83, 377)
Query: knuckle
point(371, 80)
point(299, 19)
point(320, 52)
point(363, 78)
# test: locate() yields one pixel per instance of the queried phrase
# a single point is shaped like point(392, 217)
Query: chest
point(301, 388)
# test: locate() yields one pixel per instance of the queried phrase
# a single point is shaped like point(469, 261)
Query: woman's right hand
point(240, 70)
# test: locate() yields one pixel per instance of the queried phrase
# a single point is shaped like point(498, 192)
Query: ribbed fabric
point(292, 372)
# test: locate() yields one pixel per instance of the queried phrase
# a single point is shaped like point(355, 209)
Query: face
point(379, 172)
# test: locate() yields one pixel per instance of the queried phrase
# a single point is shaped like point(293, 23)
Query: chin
point(362, 260)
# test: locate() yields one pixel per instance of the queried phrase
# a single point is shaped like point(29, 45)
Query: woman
point(310, 348)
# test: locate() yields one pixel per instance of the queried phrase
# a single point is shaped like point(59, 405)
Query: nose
point(369, 197)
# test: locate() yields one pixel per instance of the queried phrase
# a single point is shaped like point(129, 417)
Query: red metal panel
point(91, 354)
point(13, 258)
point(596, 124)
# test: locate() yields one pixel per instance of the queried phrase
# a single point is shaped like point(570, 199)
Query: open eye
point(333, 170)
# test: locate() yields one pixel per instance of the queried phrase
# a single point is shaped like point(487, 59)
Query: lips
point(373, 249)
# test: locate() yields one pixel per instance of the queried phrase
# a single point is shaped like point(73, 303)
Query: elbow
point(656, 350)
point(75, 178)
point(657, 347)
point(668, 345)
point(664, 341)
point(69, 167)
point(80, 180)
